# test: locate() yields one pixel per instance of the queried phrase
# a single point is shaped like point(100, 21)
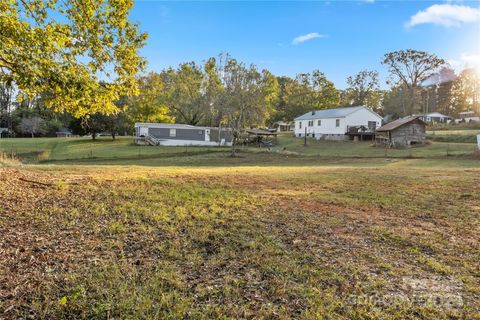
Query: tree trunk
point(94, 135)
point(234, 145)
point(32, 135)
point(113, 135)
point(234, 148)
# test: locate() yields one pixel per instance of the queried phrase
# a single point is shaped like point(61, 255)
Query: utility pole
point(305, 137)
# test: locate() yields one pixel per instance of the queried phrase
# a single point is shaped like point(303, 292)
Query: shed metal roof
point(330, 113)
point(398, 123)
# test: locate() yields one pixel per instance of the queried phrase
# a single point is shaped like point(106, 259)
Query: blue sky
point(339, 38)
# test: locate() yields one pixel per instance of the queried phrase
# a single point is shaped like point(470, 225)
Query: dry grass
point(276, 243)
point(8, 160)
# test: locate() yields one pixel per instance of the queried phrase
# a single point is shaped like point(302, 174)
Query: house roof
point(168, 125)
point(332, 113)
point(176, 126)
point(438, 114)
point(398, 123)
point(468, 114)
point(260, 132)
point(433, 114)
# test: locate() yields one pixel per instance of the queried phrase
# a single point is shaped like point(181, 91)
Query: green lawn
point(55, 149)
point(325, 240)
point(453, 136)
point(332, 230)
point(289, 149)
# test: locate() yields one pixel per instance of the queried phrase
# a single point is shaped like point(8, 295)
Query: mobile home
point(168, 134)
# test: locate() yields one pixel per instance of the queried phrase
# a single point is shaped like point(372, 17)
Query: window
point(300, 125)
point(372, 125)
point(173, 132)
point(299, 134)
point(310, 123)
point(337, 123)
point(200, 131)
point(319, 123)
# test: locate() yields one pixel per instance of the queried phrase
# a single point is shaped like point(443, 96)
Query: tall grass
point(8, 159)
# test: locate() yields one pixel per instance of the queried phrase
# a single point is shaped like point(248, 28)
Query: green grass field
point(109, 230)
point(452, 136)
point(123, 151)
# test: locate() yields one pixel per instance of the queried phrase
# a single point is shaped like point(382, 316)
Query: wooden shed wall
point(408, 134)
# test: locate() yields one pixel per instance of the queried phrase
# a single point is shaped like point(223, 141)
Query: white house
point(334, 124)
point(468, 116)
point(435, 117)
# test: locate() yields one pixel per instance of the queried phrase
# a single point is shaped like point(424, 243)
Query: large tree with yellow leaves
point(65, 49)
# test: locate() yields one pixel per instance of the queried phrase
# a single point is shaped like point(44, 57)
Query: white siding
point(362, 117)
point(328, 126)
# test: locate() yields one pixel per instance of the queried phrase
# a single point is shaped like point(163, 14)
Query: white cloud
point(466, 60)
point(307, 37)
point(471, 60)
point(447, 15)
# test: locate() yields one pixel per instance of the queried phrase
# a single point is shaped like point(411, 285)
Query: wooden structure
point(401, 133)
point(261, 137)
point(361, 133)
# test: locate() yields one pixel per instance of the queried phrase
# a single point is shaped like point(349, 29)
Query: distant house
point(167, 134)
point(401, 133)
point(282, 126)
point(434, 117)
point(3, 131)
point(63, 133)
point(335, 124)
point(468, 116)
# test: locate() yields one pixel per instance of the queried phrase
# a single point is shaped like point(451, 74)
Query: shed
point(63, 133)
point(403, 132)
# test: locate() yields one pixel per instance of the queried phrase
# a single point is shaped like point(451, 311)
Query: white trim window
point(173, 133)
point(299, 124)
point(337, 123)
point(319, 123)
point(310, 123)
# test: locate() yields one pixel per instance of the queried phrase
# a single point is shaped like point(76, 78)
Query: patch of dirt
point(32, 250)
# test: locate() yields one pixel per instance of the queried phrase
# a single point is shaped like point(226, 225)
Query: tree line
point(76, 63)
point(228, 92)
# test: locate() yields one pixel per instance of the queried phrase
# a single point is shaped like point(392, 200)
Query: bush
point(455, 126)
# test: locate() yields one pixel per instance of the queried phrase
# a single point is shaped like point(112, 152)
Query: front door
point(207, 134)
point(143, 132)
